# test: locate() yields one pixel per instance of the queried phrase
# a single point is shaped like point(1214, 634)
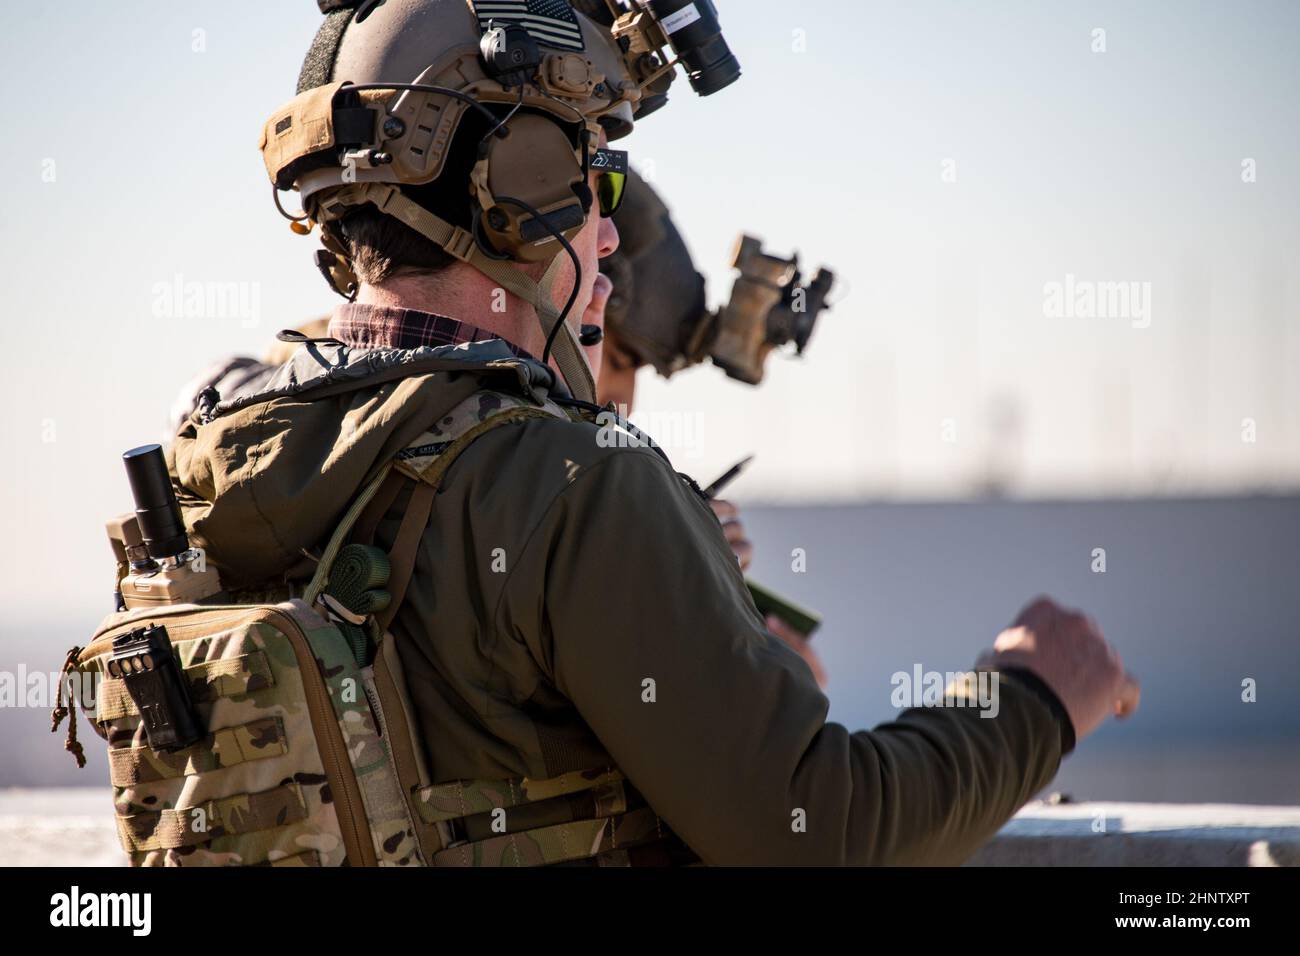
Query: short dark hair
point(381, 246)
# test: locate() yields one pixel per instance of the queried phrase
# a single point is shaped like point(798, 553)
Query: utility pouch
point(142, 659)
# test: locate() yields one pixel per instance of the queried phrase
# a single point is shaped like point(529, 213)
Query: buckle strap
point(464, 798)
point(562, 843)
point(405, 546)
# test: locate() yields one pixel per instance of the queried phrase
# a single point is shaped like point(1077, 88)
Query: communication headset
point(344, 145)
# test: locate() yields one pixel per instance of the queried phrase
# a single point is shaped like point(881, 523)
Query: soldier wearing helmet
point(584, 677)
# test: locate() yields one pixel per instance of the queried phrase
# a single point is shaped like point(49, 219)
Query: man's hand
point(1067, 651)
point(729, 515)
point(800, 645)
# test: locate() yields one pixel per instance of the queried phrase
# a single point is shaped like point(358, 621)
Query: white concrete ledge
point(74, 827)
point(1146, 834)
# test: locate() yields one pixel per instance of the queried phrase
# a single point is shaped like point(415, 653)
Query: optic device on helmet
point(690, 27)
point(545, 81)
point(657, 308)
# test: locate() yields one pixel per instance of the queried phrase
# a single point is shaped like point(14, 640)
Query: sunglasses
point(611, 181)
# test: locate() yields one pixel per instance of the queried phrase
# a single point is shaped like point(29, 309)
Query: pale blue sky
point(130, 159)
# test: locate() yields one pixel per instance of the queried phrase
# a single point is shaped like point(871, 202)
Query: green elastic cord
point(321, 577)
point(357, 582)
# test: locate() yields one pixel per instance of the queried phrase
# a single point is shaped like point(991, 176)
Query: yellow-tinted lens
point(609, 190)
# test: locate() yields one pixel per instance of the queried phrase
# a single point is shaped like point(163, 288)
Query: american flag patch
point(551, 22)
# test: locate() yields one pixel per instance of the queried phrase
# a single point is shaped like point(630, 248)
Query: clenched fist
point(1066, 650)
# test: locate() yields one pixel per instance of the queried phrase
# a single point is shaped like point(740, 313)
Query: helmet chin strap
point(568, 353)
point(569, 356)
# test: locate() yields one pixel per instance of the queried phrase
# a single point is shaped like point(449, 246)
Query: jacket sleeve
point(645, 624)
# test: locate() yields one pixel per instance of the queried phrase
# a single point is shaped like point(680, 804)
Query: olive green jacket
point(575, 605)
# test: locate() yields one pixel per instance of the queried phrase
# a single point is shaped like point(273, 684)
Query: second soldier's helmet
point(657, 314)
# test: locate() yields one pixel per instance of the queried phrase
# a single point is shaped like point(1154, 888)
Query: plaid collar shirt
point(381, 326)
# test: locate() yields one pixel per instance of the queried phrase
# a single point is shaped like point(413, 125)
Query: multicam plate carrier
point(309, 756)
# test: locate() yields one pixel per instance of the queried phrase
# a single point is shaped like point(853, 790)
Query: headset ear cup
point(499, 230)
point(584, 194)
point(535, 168)
point(479, 226)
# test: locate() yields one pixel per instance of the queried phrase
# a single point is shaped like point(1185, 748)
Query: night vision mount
point(770, 306)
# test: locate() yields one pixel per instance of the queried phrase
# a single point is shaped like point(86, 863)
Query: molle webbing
point(292, 770)
point(222, 677)
point(581, 817)
point(237, 815)
point(256, 740)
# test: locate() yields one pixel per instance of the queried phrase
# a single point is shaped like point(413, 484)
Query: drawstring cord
point(71, 744)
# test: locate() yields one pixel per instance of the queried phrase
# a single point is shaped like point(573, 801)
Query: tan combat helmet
point(390, 83)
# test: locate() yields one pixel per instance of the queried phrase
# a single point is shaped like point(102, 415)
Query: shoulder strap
point(420, 506)
point(425, 472)
point(405, 546)
point(373, 513)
